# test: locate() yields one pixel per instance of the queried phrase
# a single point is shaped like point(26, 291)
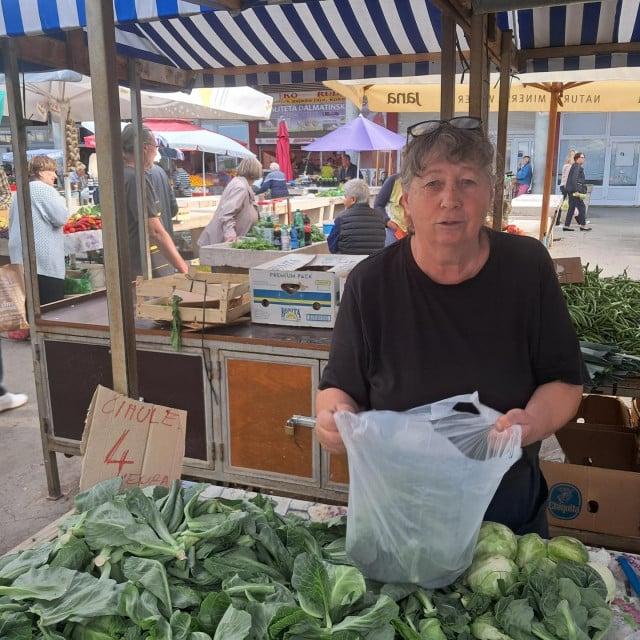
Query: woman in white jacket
point(49, 216)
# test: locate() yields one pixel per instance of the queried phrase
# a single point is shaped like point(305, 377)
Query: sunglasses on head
point(427, 126)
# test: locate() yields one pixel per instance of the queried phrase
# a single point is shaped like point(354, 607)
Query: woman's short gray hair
point(357, 189)
point(250, 168)
point(274, 166)
point(449, 144)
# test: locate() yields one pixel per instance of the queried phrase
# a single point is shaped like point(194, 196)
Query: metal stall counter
point(239, 383)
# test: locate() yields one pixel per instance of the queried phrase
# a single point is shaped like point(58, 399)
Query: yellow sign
point(600, 96)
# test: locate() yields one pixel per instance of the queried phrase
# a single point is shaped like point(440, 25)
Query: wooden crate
point(207, 298)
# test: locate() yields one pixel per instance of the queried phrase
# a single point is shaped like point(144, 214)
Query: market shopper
point(9, 400)
point(181, 180)
point(167, 200)
point(237, 211)
point(165, 258)
point(275, 182)
point(576, 188)
point(524, 176)
point(455, 308)
point(359, 229)
point(49, 215)
point(566, 167)
point(388, 202)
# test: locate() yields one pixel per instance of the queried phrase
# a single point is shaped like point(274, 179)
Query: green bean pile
point(606, 310)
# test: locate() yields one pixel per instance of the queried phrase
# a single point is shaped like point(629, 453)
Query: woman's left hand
point(521, 417)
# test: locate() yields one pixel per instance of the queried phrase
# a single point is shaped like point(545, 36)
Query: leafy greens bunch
point(164, 564)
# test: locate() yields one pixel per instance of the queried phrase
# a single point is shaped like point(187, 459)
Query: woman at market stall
point(454, 308)
point(237, 211)
point(49, 215)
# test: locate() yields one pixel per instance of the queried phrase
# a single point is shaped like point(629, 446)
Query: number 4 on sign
point(110, 457)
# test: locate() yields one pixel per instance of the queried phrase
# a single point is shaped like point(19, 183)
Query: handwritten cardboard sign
point(141, 442)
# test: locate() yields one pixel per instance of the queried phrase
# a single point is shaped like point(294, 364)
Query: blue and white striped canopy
point(316, 40)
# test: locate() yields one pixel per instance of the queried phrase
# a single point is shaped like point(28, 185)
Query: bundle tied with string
point(420, 483)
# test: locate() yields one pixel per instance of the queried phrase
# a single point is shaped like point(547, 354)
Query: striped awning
point(317, 40)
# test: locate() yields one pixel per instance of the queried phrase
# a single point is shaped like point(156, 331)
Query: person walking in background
point(237, 211)
point(181, 180)
point(524, 176)
point(566, 167)
point(275, 182)
point(49, 216)
point(388, 203)
point(576, 187)
point(359, 229)
point(168, 204)
point(9, 400)
point(411, 313)
point(165, 258)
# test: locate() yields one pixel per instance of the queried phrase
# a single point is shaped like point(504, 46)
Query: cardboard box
point(569, 270)
point(299, 289)
point(598, 487)
point(143, 443)
point(222, 255)
point(600, 435)
point(593, 499)
point(207, 298)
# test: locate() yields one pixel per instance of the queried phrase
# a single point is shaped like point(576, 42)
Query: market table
point(625, 605)
point(526, 210)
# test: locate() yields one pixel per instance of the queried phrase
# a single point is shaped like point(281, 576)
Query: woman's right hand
point(327, 431)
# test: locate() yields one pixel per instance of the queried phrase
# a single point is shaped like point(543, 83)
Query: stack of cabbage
point(162, 564)
point(538, 589)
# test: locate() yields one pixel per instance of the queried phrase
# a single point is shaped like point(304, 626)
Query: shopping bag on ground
point(420, 483)
point(13, 314)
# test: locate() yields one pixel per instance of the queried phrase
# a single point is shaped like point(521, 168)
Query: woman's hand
point(517, 416)
point(550, 407)
point(328, 401)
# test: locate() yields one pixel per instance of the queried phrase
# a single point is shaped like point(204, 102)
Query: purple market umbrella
point(358, 135)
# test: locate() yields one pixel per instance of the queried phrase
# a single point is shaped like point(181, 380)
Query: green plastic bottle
point(298, 223)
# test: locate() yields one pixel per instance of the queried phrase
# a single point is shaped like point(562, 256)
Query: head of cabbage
point(484, 574)
point(495, 539)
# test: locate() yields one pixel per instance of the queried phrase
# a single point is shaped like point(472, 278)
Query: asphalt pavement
point(25, 508)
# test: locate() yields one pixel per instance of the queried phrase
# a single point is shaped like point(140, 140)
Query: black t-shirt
point(402, 340)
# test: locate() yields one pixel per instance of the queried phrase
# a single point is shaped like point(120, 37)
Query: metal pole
point(19, 143)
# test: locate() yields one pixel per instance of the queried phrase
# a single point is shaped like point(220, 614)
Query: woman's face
point(48, 176)
point(448, 203)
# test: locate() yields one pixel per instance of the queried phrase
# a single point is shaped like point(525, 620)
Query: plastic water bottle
point(277, 237)
point(285, 238)
point(295, 243)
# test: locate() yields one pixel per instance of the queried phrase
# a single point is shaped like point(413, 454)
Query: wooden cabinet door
point(74, 369)
point(338, 470)
point(262, 393)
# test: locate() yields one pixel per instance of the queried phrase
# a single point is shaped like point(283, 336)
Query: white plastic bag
point(420, 483)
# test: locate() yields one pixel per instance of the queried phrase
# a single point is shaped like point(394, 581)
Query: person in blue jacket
point(275, 182)
point(524, 176)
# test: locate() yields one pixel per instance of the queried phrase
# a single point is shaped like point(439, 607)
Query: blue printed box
point(299, 290)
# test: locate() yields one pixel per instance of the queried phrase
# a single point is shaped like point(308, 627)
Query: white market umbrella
point(58, 92)
point(225, 103)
